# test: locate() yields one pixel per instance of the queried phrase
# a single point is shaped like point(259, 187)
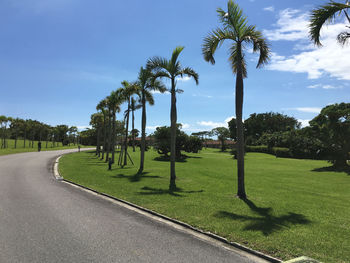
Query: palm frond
point(214, 40)
point(149, 97)
point(251, 35)
point(189, 72)
point(321, 15)
point(162, 74)
point(175, 55)
point(157, 63)
point(343, 38)
point(237, 60)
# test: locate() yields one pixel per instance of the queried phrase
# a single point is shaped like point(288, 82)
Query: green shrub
point(282, 152)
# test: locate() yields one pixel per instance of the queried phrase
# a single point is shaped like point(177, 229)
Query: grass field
point(20, 147)
point(294, 207)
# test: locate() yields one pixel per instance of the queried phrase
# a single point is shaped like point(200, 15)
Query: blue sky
point(59, 58)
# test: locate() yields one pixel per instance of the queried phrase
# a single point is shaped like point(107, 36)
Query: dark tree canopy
point(332, 127)
point(258, 124)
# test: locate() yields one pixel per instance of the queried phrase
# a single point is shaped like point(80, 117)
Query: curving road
point(44, 220)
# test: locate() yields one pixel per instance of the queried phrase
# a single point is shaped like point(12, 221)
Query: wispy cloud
point(158, 92)
point(306, 109)
point(183, 79)
point(269, 8)
point(80, 128)
point(202, 95)
point(213, 124)
point(319, 86)
point(292, 25)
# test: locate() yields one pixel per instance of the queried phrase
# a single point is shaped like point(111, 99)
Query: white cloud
point(331, 59)
point(318, 86)
point(152, 127)
point(307, 109)
point(183, 79)
point(304, 123)
point(270, 8)
point(202, 95)
point(291, 25)
point(80, 128)
point(229, 118)
point(185, 126)
point(212, 124)
point(158, 92)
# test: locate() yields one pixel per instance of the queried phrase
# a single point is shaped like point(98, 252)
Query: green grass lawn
point(20, 147)
point(295, 207)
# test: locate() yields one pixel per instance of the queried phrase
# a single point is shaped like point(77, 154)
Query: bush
point(259, 149)
point(193, 144)
point(282, 152)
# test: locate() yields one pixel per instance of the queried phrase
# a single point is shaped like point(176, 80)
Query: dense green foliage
point(183, 141)
point(263, 123)
point(294, 207)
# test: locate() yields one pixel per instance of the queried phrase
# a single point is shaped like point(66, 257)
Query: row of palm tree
point(235, 28)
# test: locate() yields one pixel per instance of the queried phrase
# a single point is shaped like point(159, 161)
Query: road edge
point(223, 242)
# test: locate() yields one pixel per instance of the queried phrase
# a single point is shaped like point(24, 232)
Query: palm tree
point(102, 106)
point(133, 107)
point(115, 99)
point(126, 93)
point(326, 13)
point(146, 84)
point(235, 28)
point(171, 69)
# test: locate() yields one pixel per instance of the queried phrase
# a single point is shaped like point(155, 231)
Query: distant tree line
point(32, 130)
point(327, 137)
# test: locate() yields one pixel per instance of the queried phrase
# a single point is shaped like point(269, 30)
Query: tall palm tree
point(327, 13)
point(133, 107)
point(235, 28)
point(146, 84)
point(102, 106)
point(171, 69)
point(126, 93)
point(115, 99)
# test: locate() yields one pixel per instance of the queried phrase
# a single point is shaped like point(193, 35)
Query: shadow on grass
point(158, 191)
point(265, 222)
point(332, 169)
point(136, 177)
point(181, 159)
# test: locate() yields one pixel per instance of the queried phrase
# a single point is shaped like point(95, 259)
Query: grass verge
point(44, 147)
point(294, 207)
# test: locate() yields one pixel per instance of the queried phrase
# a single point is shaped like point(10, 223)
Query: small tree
point(332, 127)
point(223, 134)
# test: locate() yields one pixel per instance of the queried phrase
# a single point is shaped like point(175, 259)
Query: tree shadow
point(182, 159)
point(158, 191)
point(332, 169)
point(163, 158)
point(265, 222)
point(136, 177)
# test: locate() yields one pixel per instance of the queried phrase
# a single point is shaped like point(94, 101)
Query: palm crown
point(324, 14)
point(235, 28)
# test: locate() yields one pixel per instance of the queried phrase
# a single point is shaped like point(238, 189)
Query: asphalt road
point(44, 220)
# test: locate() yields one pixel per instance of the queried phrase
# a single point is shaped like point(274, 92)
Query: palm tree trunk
point(104, 136)
point(16, 139)
point(98, 146)
point(143, 134)
point(113, 136)
point(109, 143)
point(24, 143)
point(133, 131)
point(126, 135)
point(240, 135)
point(173, 120)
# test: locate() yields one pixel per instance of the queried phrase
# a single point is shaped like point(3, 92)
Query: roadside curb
point(177, 222)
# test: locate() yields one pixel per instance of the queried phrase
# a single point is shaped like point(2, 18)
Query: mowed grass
point(20, 147)
point(294, 207)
